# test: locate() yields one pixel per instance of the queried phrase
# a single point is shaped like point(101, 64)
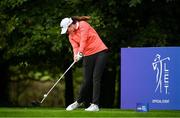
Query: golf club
point(45, 95)
point(35, 103)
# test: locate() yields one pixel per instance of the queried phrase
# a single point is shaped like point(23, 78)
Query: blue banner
point(150, 75)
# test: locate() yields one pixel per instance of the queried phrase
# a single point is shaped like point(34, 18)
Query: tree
point(30, 36)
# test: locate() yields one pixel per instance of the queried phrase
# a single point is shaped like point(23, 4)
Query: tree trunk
point(4, 96)
point(108, 88)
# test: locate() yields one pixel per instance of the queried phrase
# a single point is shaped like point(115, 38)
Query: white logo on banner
point(162, 73)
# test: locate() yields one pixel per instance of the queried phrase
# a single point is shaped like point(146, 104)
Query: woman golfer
point(86, 43)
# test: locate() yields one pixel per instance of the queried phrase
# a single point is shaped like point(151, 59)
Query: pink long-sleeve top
point(86, 40)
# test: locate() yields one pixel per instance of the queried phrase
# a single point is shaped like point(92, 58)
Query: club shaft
point(57, 82)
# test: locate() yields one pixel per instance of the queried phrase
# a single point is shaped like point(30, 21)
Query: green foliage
point(24, 71)
point(150, 35)
point(11, 3)
point(134, 3)
point(30, 30)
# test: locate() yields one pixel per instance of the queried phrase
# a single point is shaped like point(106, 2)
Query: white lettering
point(163, 101)
point(166, 78)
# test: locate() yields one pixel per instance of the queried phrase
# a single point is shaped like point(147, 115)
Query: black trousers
point(93, 67)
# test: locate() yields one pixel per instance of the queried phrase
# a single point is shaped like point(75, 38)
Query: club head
point(35, 103)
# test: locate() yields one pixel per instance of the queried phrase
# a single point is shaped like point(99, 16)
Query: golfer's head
point(64, 24)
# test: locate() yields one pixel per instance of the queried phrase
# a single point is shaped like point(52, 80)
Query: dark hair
point(79, 18)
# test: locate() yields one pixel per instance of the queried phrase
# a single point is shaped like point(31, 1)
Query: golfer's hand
point(78, 56)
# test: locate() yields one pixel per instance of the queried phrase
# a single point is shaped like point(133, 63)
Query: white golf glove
point(78, 56)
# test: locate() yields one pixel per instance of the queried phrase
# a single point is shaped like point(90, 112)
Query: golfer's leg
point(87, 82)
point(98, 71)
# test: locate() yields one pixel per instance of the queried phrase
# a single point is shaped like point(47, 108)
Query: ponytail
point(81, 18)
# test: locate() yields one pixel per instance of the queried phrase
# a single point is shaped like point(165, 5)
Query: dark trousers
point(93, 67)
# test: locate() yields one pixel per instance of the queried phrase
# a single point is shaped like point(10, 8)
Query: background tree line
point(31, 47)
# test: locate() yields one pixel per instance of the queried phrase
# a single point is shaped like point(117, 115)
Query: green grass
point(59, 112)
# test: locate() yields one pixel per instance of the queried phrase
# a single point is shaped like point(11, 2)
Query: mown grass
point(59, 112)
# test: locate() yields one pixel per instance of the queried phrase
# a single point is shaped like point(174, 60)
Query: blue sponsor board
point(150, 75)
